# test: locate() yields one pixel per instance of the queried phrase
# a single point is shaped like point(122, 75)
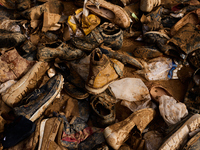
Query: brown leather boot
point(102, 72)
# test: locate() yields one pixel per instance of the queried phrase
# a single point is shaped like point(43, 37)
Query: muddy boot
point(102, 72)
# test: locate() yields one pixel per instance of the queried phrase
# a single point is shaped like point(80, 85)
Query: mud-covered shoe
point(117, 133)
point(148, 5)
point(9, 4)
point(147, 52)
point(74, 84)
point(113, 13)
point(156, 37)
point(26, 84)
point(102, 72)
point(191, 17)
point(103, 106)
point(193, 143)
point(33, 105)
point(8, 40)
point(180, 132)
point(186, 40)
point(124, 58)
point(74, 91)
point(111, 37)
point(192, 97)
point(18, 130)
point(48, 131)
point(194, 58)
point(23, 4)
point(13, 66)
point(60, 50)
point(160, 40)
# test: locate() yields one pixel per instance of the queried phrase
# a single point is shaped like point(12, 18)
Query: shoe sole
point(43, 107)
point(181, 134)
point(17, 91)
point(97, 91)
point(158, 33)
point(42, 127)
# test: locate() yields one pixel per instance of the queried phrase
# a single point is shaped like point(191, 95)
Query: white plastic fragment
point(130, 89)
point(51, 72)
point(171, 110)
point(156, 69)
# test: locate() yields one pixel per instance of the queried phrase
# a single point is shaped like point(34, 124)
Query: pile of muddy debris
point(97, 74)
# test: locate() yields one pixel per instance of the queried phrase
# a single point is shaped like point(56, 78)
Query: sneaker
point(58, 50)
point(192, 96)
point(124, 58)
point(104, 109)
point(13, 95)
point(148, 5)
point(147, 52)
point(18, 130)
point(191, 17)
point(110, 36)
point(117, 133)
point(160, 40)
point(193, 143)
point(102, 72)
point(179, 137)
point(74, 85)
point(48, 131)
point(113, 13)
point(33, 106)
point(186, 40)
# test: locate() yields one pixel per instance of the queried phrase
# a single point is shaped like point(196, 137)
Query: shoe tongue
point(97, 56)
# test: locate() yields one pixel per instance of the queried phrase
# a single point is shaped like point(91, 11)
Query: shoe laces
point(95, 2)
